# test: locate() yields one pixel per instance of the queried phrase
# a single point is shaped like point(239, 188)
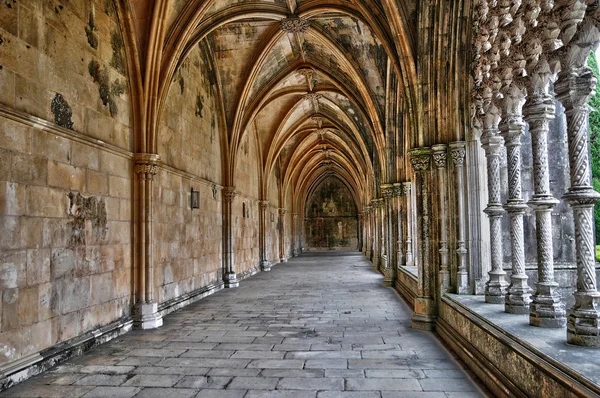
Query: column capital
point(458, 152)
point(282, 211)
point(420, 159)
point(263, 204)
point(440, 155)
point(386, 190)
point(407, 187)
point(228, 193)
point(146, 163)
point(397, 189)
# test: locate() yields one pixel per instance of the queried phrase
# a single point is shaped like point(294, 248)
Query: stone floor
point(320, 326)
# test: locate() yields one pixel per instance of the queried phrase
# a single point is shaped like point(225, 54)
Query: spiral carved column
point(575, 87)
point(546, 308)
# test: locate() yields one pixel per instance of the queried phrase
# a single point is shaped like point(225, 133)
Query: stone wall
point(65, 197)
point(188, 242)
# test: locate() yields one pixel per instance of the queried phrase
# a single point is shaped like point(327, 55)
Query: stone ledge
point(509, 363)
point(188, 298)
point(406, 284)
point(24, 368)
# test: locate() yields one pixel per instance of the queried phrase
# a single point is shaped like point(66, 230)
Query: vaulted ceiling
point(312, 78)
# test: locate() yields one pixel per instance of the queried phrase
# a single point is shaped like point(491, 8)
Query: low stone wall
point(406, 285)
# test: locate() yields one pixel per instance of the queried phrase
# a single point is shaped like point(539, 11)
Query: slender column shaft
point(399, 224)
point(512, 128)
point(282, 257)
point(229, 277)
point(546, 308)
point(407, 188)
point(294, 235)
point(386, 233)
point(264, 262)
point(495, 288)
point(440, 159)
point(575, 87)
point(375, 233)
point(458, 158)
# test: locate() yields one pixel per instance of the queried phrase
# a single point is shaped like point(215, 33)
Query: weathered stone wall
point(246, 212)
point(188, 242)
point(331, 217)
point(65, 197)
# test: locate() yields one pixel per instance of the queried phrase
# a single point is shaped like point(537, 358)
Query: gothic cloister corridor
point(321, 325)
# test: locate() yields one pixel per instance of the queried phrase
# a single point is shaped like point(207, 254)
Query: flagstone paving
point(319, 326)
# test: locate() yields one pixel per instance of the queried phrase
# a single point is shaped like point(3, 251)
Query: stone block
point(73, 294)
point(153, 380)
point(69, 326)
point(97, 183)
point(46, 306)
point(56, 232)
point(253, 383)
point(10, 345)
point(39, 336)
point(300, 383)
point(366, 384)
point(85, 156)
point(13, 265)
point(116, 392)
point(15, 136)
point(31, 170)
point(102, 288)
point(38, 266)
point(119, 187)
point(28, 306)
point(47, 202)
point(102, 380)
point(61, 175)
point(51, 146)
point(31, 97)
point(115, 165)
point(155, 392)
point(10, 309)
point(12, 198)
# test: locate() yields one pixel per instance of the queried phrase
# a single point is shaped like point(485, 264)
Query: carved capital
point(294, 24)
point(397, 189)
point(407, 187)
point(146, 163)
point(440, 156)
point(263, 204)
point(387, 190)
point(420, 159)
point(228, 193)
point(458, 152)
point(282, 211)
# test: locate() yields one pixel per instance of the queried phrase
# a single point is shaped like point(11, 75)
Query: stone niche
point(331, 219)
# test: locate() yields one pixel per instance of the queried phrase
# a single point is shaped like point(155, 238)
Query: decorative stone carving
point(294, 24)
point(440, 158)
point(313, 97)
point(458, 152)
point(407, 188)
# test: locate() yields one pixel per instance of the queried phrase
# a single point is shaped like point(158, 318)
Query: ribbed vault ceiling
point(314, 93)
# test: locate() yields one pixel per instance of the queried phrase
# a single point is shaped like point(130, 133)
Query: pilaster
point(229, 275)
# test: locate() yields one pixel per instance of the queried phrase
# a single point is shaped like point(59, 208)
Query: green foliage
point(595, 140)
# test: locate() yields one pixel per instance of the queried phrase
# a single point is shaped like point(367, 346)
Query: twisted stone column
point(495, 288)
point(440, 159)
point(397, 188)
point(546, 308)
point(263, 205)
point(425, 311)
point(458, 158)
point(575, 87)
point(512, 128)
point(407, 188)
point(229, 275)
point(282, 257)
point(146, 315)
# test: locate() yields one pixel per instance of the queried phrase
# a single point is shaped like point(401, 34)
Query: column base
point(495, 288)
point(283, 260)
point(368, 253)
point(546, 309)
point(265, 266)
point(295, 253)
point(423, 317)
point(518, 296)
point(462, 282)
point(231, 280)
point(444, 277)
point(583, 323)
point(146, 316)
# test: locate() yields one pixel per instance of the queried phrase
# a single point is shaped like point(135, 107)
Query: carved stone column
point(546, 308)
point(458, 158)
point(575, 87)
point(492, 143)
point(374, 232)
point(146, 315)
point(424, 307)
point(399, 224)
point(264, 262)
point(282, 257)
point(294, 233)
point(409, 225)
point(386, 206)
point(512, 128)
point(366, 233)
point(440, 159)
point(229, 275)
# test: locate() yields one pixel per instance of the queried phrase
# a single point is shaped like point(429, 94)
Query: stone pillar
point(409, 225)
point(367, 233)
point(492, 143)
point(440, 159)
point(374, 232)
point(458, 158)
point(546, 308)
point(575, 87)
point(424, 306)
point(282, 257)
point(146, 315)
point(386, 232)
point(264, 262)
point(360, 232)
point(512, 128)
point(399, 224)
point(229, 275)
point(294, 233)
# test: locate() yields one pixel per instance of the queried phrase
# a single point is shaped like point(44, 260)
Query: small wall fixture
point(195, 199)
